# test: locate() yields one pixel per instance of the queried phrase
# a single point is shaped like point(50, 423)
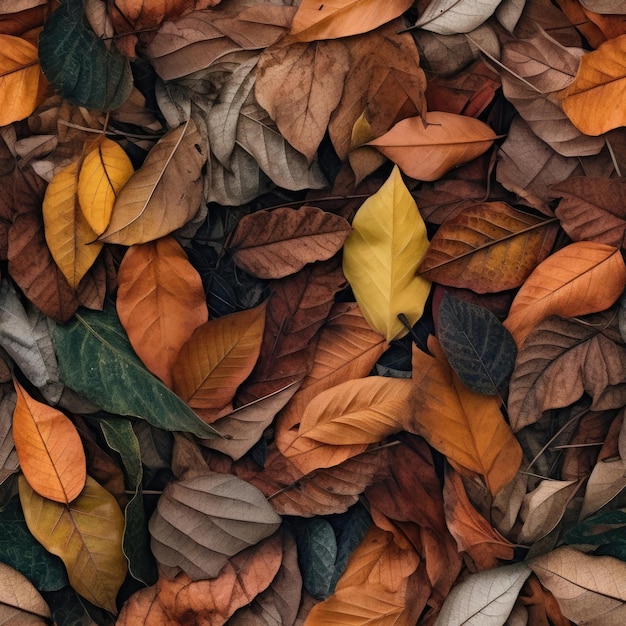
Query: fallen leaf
point(602, 532)
point(189, 529)
point(160, 302)
point(216, 359)
point(342, 18)
point(381, 255)
point(274, 244)
point(427, 147)
point(162, 195)
point(584, 277)
point(449, 17)
point(607, 480)
point(20, 602)
point(49, 449)
point(594, 100)
point(86, 534)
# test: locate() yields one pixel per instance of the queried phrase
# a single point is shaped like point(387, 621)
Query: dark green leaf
point(317, 553)
point(604, 533)
point(20, 550)
point(78, 63)
point(96, 360)
point(120, 437)
point(479, 348)
point(67, 608)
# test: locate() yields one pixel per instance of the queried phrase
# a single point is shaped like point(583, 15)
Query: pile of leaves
point(312, 313)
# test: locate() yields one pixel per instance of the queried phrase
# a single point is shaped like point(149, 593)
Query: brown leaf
point(473, 249)
point(274, 244)
point(561, 359)
point(584, 277)
point(471, 531)
point(20, 602)
point(160, 302)
point(592, 209)
point(300, 86)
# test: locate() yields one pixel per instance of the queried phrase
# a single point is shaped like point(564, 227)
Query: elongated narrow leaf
point(201, 522)
point(160, 302)
point(20, 602)
point(104, 171)
point(479, 349)
point(427, 147)
point(274, 244)
point(114, 378)
point(49, 449)
point(381, 255)
point(217, 358)
point(162, 195)
point(86, 535)
point(79, 64)
point(474, 248)
point(584, 277)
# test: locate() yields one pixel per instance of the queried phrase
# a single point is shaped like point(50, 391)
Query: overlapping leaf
point(20, 602)
point(449, 17)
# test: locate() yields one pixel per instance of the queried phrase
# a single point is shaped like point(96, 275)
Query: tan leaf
point(20, 602)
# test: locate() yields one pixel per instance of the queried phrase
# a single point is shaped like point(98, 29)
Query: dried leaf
point(449, 17)
point(160, 302)
point(427, 147)
point(584, 277)
point(20, 602)
point(274, 244)
point(607, 480)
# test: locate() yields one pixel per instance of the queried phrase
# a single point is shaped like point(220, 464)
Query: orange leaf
point(584, 277)
point(426, 148)
point(49, 449)
point(160, 302)
point(217, 358)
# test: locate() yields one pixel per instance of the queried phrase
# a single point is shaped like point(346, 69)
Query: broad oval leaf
point(202, 521)
point(381, 256)
point(584, 277)
point(163, 194)
point(427, 147)
point(67, 231)
point(342, 18)
point(274, 244)
point(114, 378)
point(104, 171)
point(49, 449)
point(450, 17)
point(485, 598)
point(79, 64)
point(160, 302)
point(217, 358)
point(594, 100)
point(20, 602)
point(474, 248)
point(479, 349)
point(86, 535)
point(20, 79)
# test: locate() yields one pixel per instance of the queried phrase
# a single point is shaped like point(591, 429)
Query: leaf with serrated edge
point(86, 535)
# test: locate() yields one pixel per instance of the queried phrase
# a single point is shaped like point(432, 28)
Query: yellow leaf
point(594, 101)
point(104, 171)
point(68, 233)
point(86, 535)
point(49, 449)
point(21, 79)
point(381, 257)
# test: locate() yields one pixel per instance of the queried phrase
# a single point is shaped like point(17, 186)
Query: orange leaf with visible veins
point(49, 449)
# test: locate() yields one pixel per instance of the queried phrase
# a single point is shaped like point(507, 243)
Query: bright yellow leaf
point(21, 79)
point(104, 171)
point(70, 238)
point(381, 257)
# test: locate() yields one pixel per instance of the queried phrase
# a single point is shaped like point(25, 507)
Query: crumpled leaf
point(202, 521)
point(381, 256)
point(20, 602)
point(342, 18)
point(594, 100)
point(427, 147)
point(78, 63)
point(449, 17)
point(86, 535)
point(49, 449)
point(479, 349)
point(160, 302)
point(584, 277)
point(274, 244)
point(472, 249)
point(163, 194)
